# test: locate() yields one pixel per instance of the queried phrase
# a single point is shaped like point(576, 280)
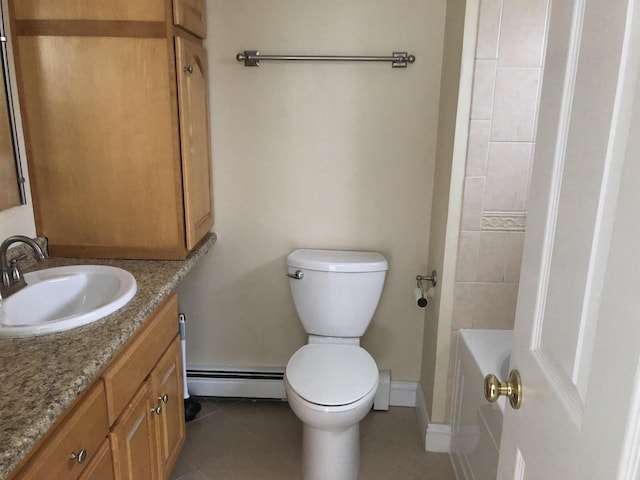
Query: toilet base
point(330, 454)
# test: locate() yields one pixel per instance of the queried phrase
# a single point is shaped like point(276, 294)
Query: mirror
point(11, 179)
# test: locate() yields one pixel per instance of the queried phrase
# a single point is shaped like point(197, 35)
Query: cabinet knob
point(79, 457)
point(188, 69)
point(157, 410)
point(164, 398)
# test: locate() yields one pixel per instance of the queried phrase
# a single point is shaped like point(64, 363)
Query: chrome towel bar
point(252, 58)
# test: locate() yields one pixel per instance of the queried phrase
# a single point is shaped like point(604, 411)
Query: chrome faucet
point(12, 279)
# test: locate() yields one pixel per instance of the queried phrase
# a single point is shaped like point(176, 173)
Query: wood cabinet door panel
point(102, 143)
point(191, 15)
point(167, 384)
point(193, 105)
point(133, 439)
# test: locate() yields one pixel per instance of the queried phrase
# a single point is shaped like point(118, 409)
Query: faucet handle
point(14, 269)
point(13, 261)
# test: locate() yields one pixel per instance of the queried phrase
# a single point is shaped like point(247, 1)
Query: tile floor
point(248, 439)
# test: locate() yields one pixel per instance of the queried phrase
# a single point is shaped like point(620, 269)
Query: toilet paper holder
point(420, 296)
point(433, 278)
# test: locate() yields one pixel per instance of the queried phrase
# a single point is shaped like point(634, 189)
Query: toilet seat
point(332, 375)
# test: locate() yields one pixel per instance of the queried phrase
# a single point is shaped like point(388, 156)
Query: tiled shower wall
point(508, 73)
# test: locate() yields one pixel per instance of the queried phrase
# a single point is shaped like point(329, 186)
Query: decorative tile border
point(504, 221)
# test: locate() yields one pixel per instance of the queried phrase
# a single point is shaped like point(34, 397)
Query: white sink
point(63, 298)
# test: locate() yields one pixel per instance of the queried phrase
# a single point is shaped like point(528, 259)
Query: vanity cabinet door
point(166, 381)
point(133, 438)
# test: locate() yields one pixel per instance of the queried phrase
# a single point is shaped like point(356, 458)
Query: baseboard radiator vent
point(257, 382)
point(241, 383)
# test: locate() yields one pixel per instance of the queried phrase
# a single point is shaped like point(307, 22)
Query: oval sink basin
point(63, 298)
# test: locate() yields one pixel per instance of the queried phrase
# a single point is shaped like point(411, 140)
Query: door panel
point(576, 336)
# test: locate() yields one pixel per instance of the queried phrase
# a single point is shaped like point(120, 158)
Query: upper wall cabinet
point(190, 15)
point(116, 126)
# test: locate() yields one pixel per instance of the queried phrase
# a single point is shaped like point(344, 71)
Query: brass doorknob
point(512, 388)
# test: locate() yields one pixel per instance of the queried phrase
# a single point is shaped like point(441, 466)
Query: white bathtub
point(477, 424)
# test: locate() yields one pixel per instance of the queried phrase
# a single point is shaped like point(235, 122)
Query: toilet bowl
point(331, 388)
point(331, 382)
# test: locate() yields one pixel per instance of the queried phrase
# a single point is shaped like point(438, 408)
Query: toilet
point(331, 381)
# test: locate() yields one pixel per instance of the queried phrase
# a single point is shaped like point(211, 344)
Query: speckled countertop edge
point(41, 376)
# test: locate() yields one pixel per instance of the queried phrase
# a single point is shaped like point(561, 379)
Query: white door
point(577, 332)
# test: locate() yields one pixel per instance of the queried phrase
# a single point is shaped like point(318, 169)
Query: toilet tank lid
point(345, 261)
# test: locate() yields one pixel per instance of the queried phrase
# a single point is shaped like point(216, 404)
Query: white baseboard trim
point(403, 394)
point(206, 381)
point(423, 413)
point(437, 436)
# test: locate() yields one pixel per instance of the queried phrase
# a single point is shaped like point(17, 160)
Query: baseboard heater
point(236, 383)
point(267, 384)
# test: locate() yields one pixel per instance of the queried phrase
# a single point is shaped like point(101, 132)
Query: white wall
point(315, 155)
point(461, 19)
point(17, 221)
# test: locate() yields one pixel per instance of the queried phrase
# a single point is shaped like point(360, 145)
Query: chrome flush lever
point(298, 275)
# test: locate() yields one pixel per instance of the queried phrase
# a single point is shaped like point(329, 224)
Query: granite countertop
point(41, 376)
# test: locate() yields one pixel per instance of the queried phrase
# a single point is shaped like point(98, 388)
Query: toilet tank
point(339, 291)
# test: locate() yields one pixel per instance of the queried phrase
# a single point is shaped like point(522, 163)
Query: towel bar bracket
point(250, 57)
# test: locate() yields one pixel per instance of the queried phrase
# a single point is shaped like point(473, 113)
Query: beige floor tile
point(192, 476)
point(391, 447)
point(182, 468)
point(208, 407)
point(196, 476)
point(246, 440)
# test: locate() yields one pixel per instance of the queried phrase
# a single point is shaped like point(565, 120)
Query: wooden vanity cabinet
point(115, 111)
point(147, 437)
point(130, 424)
point(148, 430)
